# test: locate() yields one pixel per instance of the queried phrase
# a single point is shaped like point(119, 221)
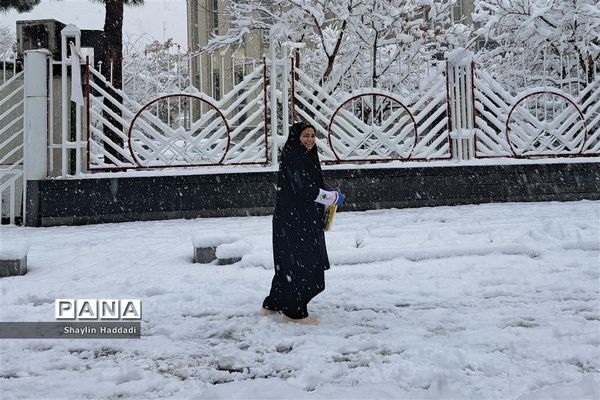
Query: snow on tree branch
point(7, 43)
point(540, 32)
point(345, 37)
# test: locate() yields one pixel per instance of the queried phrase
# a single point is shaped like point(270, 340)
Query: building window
point(194, 21)
point(216, 85)
point(239, 77)
point(457, 12)
point(215, 16)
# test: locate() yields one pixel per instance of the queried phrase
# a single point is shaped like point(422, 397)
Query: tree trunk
point(113, 70)
point(113, 41)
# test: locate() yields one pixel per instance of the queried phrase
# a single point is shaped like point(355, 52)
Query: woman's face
point(308, 138)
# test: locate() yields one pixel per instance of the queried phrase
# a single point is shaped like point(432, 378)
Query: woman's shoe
point(310, 320)
point(265, 311)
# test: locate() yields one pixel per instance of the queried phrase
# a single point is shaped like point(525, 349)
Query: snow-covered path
point(498, 301)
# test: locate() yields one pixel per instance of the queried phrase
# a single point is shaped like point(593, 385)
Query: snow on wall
point(13, 249)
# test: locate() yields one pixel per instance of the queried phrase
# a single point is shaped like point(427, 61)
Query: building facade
point(218, 74)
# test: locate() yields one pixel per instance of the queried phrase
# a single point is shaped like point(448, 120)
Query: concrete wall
point(84, 201)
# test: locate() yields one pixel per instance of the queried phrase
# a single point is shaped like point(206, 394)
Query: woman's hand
point(341, 198)
point(330, 198)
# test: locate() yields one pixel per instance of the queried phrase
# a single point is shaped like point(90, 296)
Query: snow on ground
point(496, 301)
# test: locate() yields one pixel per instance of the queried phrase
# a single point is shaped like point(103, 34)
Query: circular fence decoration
point(545, 123)
point(372, 126)
point(179, 130)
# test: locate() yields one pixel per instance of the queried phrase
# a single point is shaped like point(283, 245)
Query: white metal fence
point(8, 69)
point(179, 129)
point(213, 110)
point(208, 111)
point(376, 125)
point(544, 114)
point(457, 109)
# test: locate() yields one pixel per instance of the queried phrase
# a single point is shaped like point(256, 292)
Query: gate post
point(69, 33)
point(460, 98)
point(35, 124)
point(273, 105)
point(280, 70)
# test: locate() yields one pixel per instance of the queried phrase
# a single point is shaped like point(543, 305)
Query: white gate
point(11, 149)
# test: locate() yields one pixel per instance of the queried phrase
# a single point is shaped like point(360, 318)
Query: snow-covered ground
point(496, 301)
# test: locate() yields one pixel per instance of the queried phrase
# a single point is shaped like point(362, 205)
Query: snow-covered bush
point(152, 69)
point(7, 44)
point(540, 40)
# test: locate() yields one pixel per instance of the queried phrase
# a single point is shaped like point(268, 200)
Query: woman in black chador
point(299, 248)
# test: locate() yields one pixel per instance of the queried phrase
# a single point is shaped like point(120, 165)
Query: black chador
point(299, 248)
